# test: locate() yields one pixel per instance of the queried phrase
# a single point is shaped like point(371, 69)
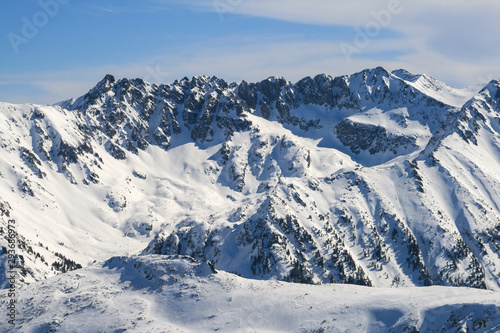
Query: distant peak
point(495, 83)
point(405, 75)
point(493, 89)
point(381, 69)
point(374, 72)
point(108, 79)
point(401, 71)
point(200, 78)
point(275, 78)
point(139, 81)
point(106, 83)
point(322, 77)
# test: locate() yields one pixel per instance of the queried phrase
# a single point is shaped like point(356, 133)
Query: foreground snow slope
point(179, 294)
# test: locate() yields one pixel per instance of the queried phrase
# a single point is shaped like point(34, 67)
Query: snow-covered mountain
point(376, 178)
point(437, 89)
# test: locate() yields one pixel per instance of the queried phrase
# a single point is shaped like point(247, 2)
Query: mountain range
point(379, 179)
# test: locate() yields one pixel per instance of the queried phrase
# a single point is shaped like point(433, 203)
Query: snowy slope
point(177, 294)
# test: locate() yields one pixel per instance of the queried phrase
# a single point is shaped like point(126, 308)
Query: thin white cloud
point(338, 12)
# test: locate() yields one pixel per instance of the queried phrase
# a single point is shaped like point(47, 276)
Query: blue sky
point(56, 49)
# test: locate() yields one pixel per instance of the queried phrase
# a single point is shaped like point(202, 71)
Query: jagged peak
point(106, 82)
point(203, 82)
point(321, 78)
point(406, 75)
point(489, 93)
point(493, 89)
point(199, 80)
point(103, 86)
point(416, 78)
point(65, 103)
point(370, 76)
point(382, 70)
point(374, 72)
point(139, 81)
point(276, 79)
point(316, 78)
point(179, 82)
point(488, 98)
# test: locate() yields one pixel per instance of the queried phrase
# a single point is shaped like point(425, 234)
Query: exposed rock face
point(374, 139)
